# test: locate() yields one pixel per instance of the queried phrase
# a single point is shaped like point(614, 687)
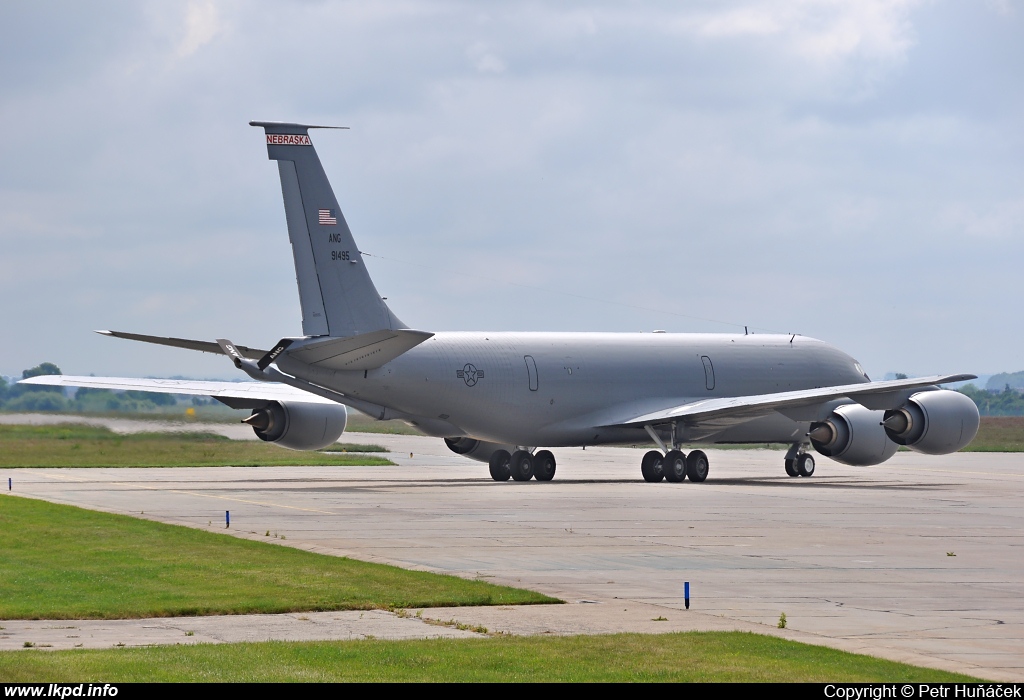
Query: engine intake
point(299, 426)
point(476, 449)
point(853, 435)
point(933, 422)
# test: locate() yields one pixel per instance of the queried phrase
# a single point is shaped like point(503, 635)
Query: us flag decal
point(327, 218)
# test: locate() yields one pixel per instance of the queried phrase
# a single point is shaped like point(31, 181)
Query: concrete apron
point(857, 558)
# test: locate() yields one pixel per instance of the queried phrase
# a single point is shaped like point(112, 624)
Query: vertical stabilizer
point(335, 290)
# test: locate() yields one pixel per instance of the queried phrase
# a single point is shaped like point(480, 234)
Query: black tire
point(544, 466)
point(674, 466)
point(805, 465)
point(697, 466)
point(791, 467)
point(651, 467)
point(499, 465)
point(521, 465)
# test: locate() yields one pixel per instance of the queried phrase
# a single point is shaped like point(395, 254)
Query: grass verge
point(354, 447)
point(681, 657)
point(999, 434)
point(62, 562)
point(73, 445)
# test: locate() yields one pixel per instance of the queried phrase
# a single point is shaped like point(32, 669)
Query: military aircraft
point(497, 396)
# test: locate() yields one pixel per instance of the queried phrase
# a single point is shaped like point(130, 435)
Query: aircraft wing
point(234, 394)
point(724, 412)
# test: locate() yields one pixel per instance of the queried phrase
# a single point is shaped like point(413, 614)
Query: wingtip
point(104, 332)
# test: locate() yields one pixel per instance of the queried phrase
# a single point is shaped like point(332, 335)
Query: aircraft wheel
point(521, 465)
point(651, 466)
point(791, 467)
point(697, 466)
point(499, 465)
point(674, 466)
point(544, 466)
point(805, 465)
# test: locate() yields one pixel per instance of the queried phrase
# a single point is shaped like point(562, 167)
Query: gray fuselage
point(562, 389)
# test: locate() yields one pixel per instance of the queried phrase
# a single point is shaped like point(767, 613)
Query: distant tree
point(995, 403)
point(39, 370)
point(1015, 380)
point(4, 388)
point(900, 375)
point(157, 398)
point(38, 401)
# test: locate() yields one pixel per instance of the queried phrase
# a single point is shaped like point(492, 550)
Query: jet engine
point(476, 449)
point(853, 435)
point(299, 426)
point(933, 422)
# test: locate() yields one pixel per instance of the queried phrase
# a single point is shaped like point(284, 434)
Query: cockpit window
point(856, 366)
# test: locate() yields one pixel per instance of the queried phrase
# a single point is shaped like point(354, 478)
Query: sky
point(848, 171)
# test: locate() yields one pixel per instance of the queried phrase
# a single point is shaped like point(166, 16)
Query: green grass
point(75, 445)
point(354, 447)
point(999, 434)
point(680, 657)
point(62, 562)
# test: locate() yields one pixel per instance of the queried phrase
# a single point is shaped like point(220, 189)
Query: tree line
point(28, 398)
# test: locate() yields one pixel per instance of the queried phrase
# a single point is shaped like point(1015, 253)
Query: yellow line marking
point(947, 471)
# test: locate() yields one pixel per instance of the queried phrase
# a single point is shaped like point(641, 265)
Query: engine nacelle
point(934, 422)
point(476, 449)
point(853, 435)
point(299, 426)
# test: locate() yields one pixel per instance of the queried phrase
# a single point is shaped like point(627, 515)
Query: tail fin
point(335, 290)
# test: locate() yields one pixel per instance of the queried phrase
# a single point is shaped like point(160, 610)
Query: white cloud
point(484, 59)
point(1002, 7)
point(202, 24)
point(997, 221)
point(625, 147)
point(826, 30)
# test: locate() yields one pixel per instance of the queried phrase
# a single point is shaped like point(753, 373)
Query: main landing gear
point(522, 466)
point(675, 466)
point(799, 462)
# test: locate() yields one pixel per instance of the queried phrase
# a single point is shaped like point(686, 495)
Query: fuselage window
point(709, 372)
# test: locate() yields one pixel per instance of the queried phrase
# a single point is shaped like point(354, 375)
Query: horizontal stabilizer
point(200, 345)
point(360, 352)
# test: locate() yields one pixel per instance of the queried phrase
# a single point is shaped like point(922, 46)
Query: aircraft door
point(709, 372)
point(531, 371)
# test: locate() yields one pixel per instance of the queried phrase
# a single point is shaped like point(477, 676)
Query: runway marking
point(190, 493)
point(949, 471)
point(240, 500)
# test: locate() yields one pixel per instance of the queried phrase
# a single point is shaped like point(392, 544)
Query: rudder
point(337, 296)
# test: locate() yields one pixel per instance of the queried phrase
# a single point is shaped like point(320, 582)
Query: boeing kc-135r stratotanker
point(497, 397)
